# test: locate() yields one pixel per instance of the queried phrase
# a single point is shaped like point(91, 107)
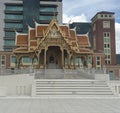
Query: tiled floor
point(59, 105)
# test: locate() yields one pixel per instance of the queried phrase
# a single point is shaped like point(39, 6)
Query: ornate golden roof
point(36, 37)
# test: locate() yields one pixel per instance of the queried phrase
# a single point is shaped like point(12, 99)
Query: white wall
point(104, 77)
point(16, 85)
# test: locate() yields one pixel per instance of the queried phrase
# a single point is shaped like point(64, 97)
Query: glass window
point(3, 60)
point(14, 8)
point(26, 59)
point(98, 61)
point(13, 59)
point(46, 17)
point(109, 51)
point(9, 42)
point(106, 34)
point(98, 58)
point(104, 40)
point(108, 56)
point(13, 16)
point(3, 57)
point(9, 34)
point(13, 25)
point(105, 51)
point(48, 9)
point(104, 45)
point(108, 62)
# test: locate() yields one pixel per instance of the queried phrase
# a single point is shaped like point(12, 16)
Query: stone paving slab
point(59, 105)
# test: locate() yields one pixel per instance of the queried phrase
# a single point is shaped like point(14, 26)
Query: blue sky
point(84, 10)
point(91, 7)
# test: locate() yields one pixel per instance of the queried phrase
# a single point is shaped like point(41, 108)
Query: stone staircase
point(71, 87)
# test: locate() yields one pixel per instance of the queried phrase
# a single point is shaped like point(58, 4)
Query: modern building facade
point(18, 14)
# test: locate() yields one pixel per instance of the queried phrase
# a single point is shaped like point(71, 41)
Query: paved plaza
point(59, 105)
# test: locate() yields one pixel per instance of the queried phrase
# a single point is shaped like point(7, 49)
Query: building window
point(48, 9)
point(26, 59)
point(13, 59)
point(105, 15)
point(9, 34)
point(13, 16)
point(14, 8)
point(107, 47)
point(98, 62)
point(3, 61)
point(9, 42)
point(48, 18)
point(106, 34)
point(13, 25)
point(108, 56)
point(106, 24)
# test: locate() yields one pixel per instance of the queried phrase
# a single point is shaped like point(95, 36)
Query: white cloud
point(80, 18)
point(90, 8)
point(117, 29)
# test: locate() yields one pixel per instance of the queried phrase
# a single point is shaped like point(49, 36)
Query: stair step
point(94, 88)
point(74, 93)
point(69, 85)
point(71, 90)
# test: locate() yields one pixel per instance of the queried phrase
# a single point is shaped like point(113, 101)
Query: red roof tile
point(22, 40)
point(83, 41)
point(40, 30)
point(32, 35)
point(65, 30)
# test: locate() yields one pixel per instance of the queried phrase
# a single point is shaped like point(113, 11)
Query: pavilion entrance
point(53, 57)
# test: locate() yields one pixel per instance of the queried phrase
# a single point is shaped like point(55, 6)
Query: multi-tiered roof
point(30, 42)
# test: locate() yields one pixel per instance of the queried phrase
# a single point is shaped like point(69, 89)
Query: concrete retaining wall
point(16, 85)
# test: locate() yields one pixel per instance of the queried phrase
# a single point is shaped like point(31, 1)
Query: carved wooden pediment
point(54, 33)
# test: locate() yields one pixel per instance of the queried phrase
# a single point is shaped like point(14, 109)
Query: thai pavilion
point(52, 46)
